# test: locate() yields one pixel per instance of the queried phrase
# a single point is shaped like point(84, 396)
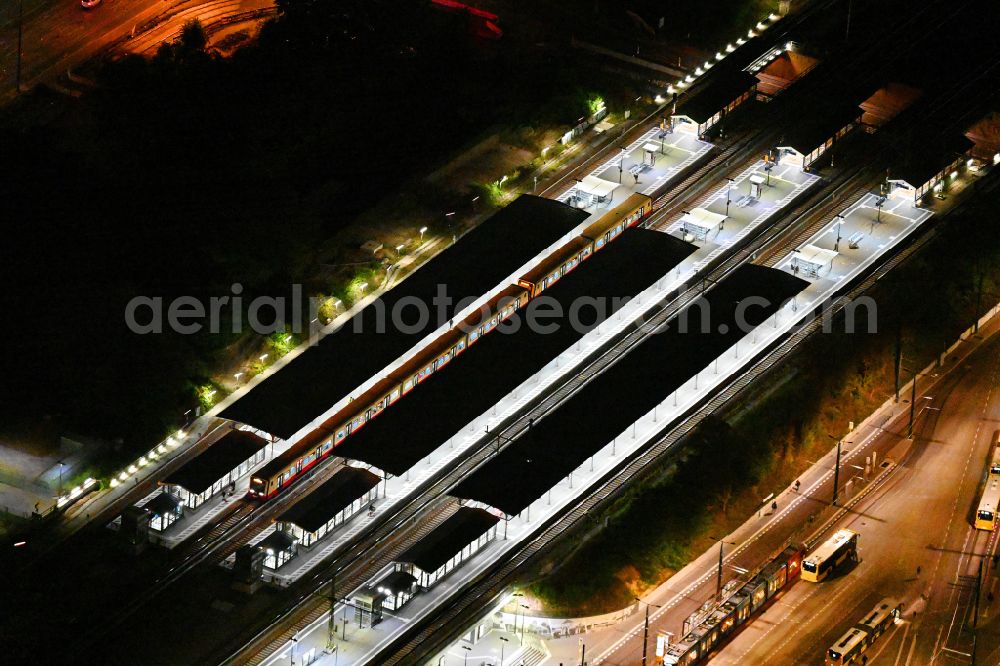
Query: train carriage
point(306, 453)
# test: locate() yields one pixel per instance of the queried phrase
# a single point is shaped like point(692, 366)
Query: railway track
point(226, 539)
point(488, 590)
point(434, 497)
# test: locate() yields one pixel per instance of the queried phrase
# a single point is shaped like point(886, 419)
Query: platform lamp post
point(450, 218)
point(291, 653)
point(729, 192)
point(840, 224)
point(645, 629)
point(422, 230)
point(503, 644)
point(467, 651)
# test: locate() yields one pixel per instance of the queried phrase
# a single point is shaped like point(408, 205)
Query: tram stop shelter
point(279, 548)
point(699, 223)
point(592, 190)
point(985, 134)
point(927, 167)
point(886, 103)
point(330, 505)
point(225, 461)
point(164, 510)
point(811, 259)
point(447, 546)
point(816, 132)
point(780, 73)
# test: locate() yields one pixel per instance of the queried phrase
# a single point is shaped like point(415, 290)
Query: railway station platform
point(644, 166)
point(754, 196)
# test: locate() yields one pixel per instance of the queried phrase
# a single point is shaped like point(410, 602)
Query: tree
point(193, 37)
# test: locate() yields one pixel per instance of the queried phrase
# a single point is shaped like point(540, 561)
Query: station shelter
point(699, 223)
point(723, 93)
point(886, 103)
point(390, 593)
point(928, 167)
point(449, 545)
point(592, 190)
point(279, 548)
point(218, 468)
point(815, 133)
point(329, 506)
point(810, 260)
point(164, 510)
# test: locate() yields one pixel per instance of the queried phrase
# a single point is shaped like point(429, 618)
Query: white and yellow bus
point(986, 513)
point(836, 550)
point(858, 638)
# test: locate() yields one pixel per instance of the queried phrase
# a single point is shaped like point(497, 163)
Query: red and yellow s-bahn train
point(291, 465)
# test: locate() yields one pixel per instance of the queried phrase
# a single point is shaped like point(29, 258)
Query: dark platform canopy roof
point(605, 407)
point(812, 128)
point(397, 581)
point(449, 538)
point(926, 157)
point(335, 495)
point(313, 382)
point(277, 541)
point(722, 89)
point(162, 504)
point(493, 367)
point(222, 457)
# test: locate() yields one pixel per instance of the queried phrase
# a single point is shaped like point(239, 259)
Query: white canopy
point(816, 256)
point(706, 220)
point(756, 179)
point(597, 187)
point(651, 147)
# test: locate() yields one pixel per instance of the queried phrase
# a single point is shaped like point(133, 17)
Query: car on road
point(89, 4)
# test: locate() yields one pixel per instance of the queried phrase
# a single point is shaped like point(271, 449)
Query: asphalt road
point(60, 33)
point(927, 524)
point(921, 517)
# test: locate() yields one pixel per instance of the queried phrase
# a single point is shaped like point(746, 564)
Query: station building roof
point(986, 135)
point(888, 102)
point(313, 382)
point(783, 71)
point(449, 538)
point(606, 406)
point(223, 456)
point(927, 157)
point(814, 127)
point(336, 494)
point(491, 368)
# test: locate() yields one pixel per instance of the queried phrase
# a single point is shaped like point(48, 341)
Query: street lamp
point(645, 629)
point(467, 651)
point(503, 642)
point(840, 224)
point(718, 581)
point(295, 642)
point(729, 191)
point(422, 230)
point(836, 467)
point(237, 375)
